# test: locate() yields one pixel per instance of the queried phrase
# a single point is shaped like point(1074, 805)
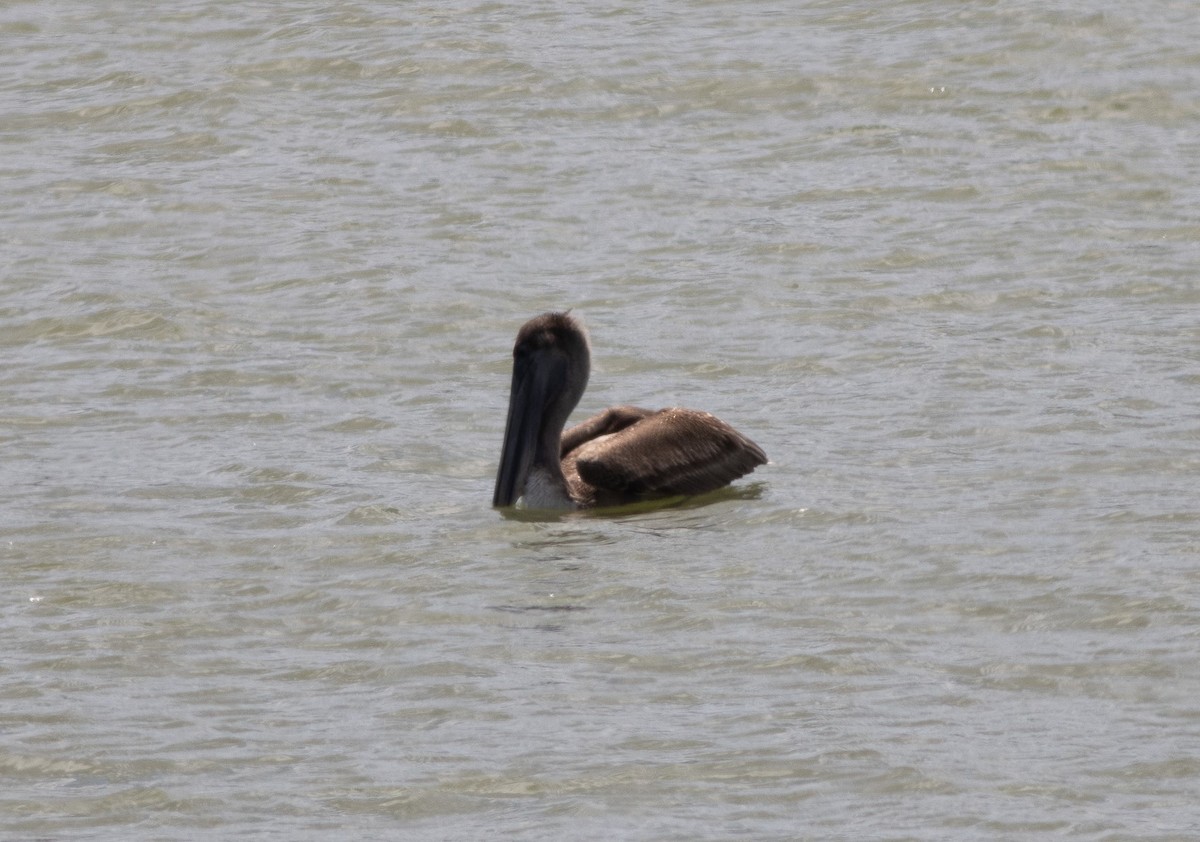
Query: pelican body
point(622, 455)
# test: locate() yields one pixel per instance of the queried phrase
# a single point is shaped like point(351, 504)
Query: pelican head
point(551, 362)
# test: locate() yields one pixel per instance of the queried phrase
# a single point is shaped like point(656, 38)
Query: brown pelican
point(622, 455)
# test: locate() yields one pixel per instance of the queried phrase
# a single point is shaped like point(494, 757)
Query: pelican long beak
point(536, 380)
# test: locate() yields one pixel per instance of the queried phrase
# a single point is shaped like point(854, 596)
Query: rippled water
point(262, 267)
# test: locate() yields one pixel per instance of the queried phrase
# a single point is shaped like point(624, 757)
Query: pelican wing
point(672, 451)
point(612, 420)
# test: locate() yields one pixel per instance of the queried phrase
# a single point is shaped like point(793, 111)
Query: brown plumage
point(622, 455)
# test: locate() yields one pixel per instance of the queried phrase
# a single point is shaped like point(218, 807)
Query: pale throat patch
point(543, 492)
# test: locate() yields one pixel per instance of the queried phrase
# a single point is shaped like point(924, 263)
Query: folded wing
point(672, 451)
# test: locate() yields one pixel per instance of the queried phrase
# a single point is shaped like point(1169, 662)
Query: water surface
point(262, 268)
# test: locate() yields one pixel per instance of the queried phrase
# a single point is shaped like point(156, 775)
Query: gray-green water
point(260, 270)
